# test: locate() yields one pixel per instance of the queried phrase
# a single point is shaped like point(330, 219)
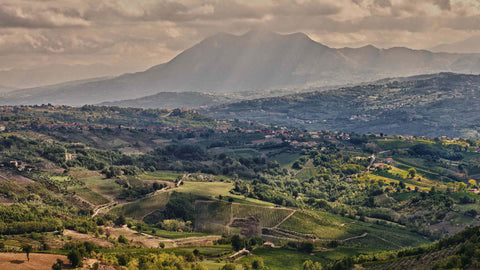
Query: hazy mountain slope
point(4, 89)
point(55, 74)
point(257, 60)
point(469, 45)
point(434, 105)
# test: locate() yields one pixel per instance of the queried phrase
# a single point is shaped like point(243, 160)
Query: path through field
point(285, 219)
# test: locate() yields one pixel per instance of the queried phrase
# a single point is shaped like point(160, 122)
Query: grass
point(306, 173)
point(170, 234)
point(393, 144)
point(330, 226)
point(142, 207)
point(286, 159)
point(90, 196)
point(161, 175)
point(213, 189)
point(105, 187)
point(60, 178)
point(268, 217)
point(323, 228)
point(278, 258)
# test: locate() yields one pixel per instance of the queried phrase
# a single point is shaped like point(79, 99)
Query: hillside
point(430, 105)
point(116, 184)
point(253, 61)
point(171, 100)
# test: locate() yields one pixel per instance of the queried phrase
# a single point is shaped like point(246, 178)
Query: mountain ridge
point(254, 61)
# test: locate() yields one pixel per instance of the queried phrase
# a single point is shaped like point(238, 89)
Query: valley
point(174, 181)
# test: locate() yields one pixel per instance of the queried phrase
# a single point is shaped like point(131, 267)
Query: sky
point(134, 35)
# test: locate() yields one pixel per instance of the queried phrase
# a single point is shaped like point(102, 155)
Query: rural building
point(269, 244)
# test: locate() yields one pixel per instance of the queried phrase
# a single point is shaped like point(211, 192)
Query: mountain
point(55, 74)
point(4, 89)
point(431, 105)
point(469, 45)
point(253, 61)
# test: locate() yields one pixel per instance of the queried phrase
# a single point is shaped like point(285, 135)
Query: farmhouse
point(269, 244)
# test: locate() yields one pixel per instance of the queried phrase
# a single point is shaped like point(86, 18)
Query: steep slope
point(256, 60)
point(433, 105)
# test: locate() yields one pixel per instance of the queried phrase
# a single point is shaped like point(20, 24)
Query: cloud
point(147, 32)
point(443, 4)
point(22, 17)
point(382, 3)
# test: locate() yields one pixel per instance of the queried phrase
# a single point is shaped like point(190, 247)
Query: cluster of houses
point(19, 165)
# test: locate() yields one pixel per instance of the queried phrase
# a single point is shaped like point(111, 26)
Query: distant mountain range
point(55, 74)
point(249, 62)
point(4, 89)
point(469, 45)
point(432, 105)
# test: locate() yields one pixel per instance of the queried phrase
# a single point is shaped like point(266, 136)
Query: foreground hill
point(255, 60)
point(432, 105)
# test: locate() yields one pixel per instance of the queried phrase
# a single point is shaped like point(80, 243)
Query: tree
point(412, 172)
point(122, 239)
point(229, 266)
point(309, 265)
point(257, 263)
point(237, 242)
point(120, 220)
point(58, 265)
point(472, 182)
point(27, 249)
point(75, 258)
point(307, 247)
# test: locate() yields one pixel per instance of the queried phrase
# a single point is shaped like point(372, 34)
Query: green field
point(161, 175)
point(142, 207)
point(323, 228)
point(278, 258)
point(213, 189)
point(90, 196)
point(268, 217)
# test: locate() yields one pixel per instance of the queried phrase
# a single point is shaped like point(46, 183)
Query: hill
point(172, 100)
point(431, 105)
point(122, 182)
point(252, 61)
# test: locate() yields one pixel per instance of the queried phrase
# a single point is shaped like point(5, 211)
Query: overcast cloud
point(138, 34)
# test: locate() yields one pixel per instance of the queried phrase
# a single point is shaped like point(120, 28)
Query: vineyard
point(415, 262)
point(218, 216)
point(267, 216)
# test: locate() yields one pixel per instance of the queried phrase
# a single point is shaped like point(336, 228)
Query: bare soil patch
point(88, 238)
point(18, 261)
point(6, 175)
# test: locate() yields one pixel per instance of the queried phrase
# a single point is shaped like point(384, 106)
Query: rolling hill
point(433, 105)
point(253, 61)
